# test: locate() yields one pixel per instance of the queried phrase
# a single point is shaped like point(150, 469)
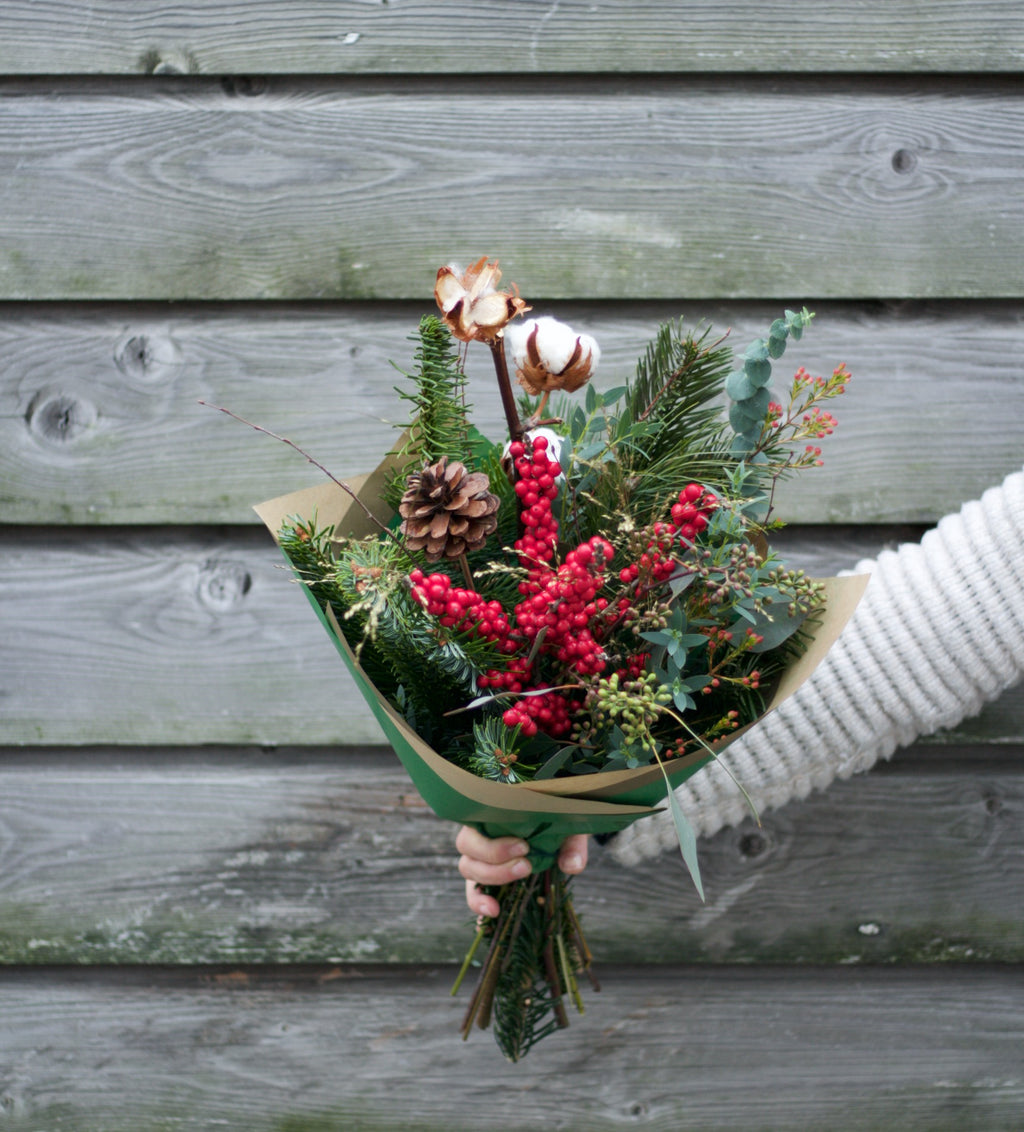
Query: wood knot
point(222, 585)
point(993, 803)
point(753, 844)
point(244, 86)
point(904, 161)
point(146, 357)
point(168, 62)
point(58, 417)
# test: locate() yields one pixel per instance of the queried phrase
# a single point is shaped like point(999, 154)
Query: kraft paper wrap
point(545, 812)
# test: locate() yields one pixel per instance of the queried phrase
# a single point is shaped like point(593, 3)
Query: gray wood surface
point(100, 421)
point(200, 636)
point(134, 857)
point(175, 189)
point(343, 1050)
point(338, 37)
point(221, 906)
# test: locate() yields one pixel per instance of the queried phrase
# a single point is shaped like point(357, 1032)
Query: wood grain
point(626, 189)
point(338, 37)
point(129, 857)
point(100, 421)
point(200, 636)
point(323, 1050)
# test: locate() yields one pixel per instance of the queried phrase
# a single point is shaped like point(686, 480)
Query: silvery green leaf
point(738, 386)
point(687, 841)
point(554, 764)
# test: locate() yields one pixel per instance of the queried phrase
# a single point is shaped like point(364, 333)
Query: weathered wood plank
point(319, 1049)
point(338, 37)
point(632, 189)
point(196, 636)
point(171, 857)
point(100, 421)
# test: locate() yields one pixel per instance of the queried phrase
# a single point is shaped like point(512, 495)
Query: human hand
point(501, 860)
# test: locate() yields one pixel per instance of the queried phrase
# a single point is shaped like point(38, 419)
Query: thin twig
point(316, 464)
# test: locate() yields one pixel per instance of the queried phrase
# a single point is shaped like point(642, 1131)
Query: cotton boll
point(549, 355)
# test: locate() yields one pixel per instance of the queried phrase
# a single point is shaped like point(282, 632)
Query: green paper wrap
point(546, 812)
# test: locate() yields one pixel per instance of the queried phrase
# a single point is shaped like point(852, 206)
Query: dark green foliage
point(439, 423)
point(674, 394)
point(629, 459)
point(397, 644)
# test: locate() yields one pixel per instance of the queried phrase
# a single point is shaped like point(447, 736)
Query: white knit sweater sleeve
point(939, 631)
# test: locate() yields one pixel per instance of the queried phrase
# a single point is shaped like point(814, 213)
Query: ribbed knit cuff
point(939, 631)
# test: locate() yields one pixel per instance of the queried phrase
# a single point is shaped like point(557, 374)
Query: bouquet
point(556, 627)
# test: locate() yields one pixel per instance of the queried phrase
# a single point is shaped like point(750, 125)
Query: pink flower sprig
point(802, 419)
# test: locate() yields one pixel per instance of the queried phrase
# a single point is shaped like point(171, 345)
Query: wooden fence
point(221, 903)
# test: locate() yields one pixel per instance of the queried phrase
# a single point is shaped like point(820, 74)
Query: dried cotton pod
point(550, 355)
point(471, 304)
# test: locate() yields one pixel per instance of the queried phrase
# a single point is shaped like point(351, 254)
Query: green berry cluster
point(631, 705)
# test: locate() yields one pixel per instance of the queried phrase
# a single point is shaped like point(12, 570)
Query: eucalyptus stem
point(481, 929)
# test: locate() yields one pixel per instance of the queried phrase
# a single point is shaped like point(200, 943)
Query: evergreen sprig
point(439, 421)
point(623, 460)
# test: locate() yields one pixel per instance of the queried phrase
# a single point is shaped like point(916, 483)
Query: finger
point(471, 842)
point(572, 857)
point(482, 872)
point(480, 904)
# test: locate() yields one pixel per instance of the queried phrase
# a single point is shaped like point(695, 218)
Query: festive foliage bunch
point(593, 592)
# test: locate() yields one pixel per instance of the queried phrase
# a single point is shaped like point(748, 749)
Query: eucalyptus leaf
point(756, 406)
point(776, 346)
point(679, 583)
point(554, 764)
point(776, 628)
point(577, 423)
point(687, 841)
point(757, 351)
point(683, 700)
point(589, 451)
point(738, 386)
point(758, 371)
point(741, 420)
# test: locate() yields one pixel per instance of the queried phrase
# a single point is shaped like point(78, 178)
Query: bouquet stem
point(536, 950)
point(516, 431)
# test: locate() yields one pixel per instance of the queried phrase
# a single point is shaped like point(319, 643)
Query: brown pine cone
point(447, 510)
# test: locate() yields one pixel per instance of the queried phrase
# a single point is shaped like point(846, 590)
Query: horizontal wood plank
point(330, 1049)
point(131, 857)
point(624, 189)
point(338, 37)
point(100, 420)
point(199, 636)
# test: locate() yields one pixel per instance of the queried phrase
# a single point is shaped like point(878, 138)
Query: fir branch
point(440, 424)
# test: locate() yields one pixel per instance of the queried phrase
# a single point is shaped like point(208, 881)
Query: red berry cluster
point(690, 515)
point(563, 605)
point(536, 488)
point(561, 617)
point(461, 609)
